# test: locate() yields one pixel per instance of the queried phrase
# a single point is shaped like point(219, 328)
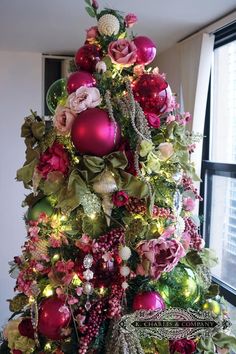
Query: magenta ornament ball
point(54, 316)
point(78, 79)
point(149, 300)
point(87, 57)
point(146, 50)
point(93, 133)
point(150, 90)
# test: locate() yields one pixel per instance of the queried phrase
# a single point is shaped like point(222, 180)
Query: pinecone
point(136, 206)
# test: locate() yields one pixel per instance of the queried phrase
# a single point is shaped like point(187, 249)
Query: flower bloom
point(166, 150)
point(120, 198)
point(188, 204)
point(162, 254)
point(92, 33)
point(54, 158)
point(182, 346)
point(130, 20)
point(63, 120)
point(122, 52)
point(153, 120)
point(83, 98)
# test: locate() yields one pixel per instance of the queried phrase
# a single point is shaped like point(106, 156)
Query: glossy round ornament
point(56, 95)
point(149, 300)
point(78, 79)
point(146, 50)
point(87, 57)
point(212, 306)
point(54, 316)
point(93, 133)
point(150, 90)
point(180, 287)
point(42, 206)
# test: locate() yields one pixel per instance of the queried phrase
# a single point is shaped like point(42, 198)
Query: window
point(219, 162)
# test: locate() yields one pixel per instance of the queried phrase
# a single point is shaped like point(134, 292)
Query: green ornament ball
point(180, 287)
point(42, 206)
point(212, 306)
point(56, 94)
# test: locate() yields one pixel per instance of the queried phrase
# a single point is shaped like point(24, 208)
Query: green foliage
point(94, 228)
point(209, 257)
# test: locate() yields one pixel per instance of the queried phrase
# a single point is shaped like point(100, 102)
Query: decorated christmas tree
point(113, 261)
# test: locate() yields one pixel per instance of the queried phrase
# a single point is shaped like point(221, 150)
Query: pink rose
point(162, 254)
point(63, 120)
point(54, 158)
point(120, 198)
point(188, 204)
point(83, 98)
point(92, 33)
point(153, 120)
point(130, 20)
point(122, 52)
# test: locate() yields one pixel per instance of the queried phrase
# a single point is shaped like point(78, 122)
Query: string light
point(55, 257)
point(48, 291)
point(47, 346)
point(76, 280)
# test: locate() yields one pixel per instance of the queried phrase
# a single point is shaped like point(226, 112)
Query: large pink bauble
point(149, 300)
point(78, 79)
point(150, 90)
point(146, 50)
point(87, 57)
point(93, 133)
point(54, 316)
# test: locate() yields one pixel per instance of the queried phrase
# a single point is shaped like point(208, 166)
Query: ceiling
point(58, 26)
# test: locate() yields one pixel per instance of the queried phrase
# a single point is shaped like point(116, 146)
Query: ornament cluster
point(110, 215)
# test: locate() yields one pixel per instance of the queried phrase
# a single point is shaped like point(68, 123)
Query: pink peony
point(83, 98)
point(188, 204)
point(162, 254)
point(63, 120)
point(120, 198)
point(92, 33)
point(182, 346)
point(122, 52)
point(130, 20)
point(54, 158)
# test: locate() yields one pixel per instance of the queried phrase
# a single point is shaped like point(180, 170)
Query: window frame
point(211, 168)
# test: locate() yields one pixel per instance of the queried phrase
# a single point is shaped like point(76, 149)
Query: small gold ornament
point(105, 186)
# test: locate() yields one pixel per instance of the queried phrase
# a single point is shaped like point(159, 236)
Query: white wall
point(20, 91)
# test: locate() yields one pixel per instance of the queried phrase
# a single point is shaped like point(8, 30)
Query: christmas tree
point(112, 239)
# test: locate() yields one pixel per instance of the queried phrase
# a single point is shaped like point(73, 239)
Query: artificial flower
point(166, 150)
point(188, 204)
point(153, 164)
point(120, 198)
point(92, 33)
point(145, 147)
point(17, 342)
point(138, 70)
point(55, 158)
point(83, 98)
point(122, 52)
point(162, 254)
point(101, 67)
point(130, 20)
point(153, 120)
point(182, 346)
point(63, 120)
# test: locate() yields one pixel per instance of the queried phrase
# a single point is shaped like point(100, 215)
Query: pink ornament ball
point(87, 57)
point(150, 90)
point(93, 133)
point(146, 50)
point(149, 300)
point(54, 316)
point(78, 79)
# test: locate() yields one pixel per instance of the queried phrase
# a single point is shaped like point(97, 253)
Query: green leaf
point(94, 227)
point(90, 11)
point(209, 257)
point(53, 183)
point(223, 340)
point(213, 290)
point(193, 258)
point(88, 2)
point(206, 346)
point(163, 346)
point(25, 173)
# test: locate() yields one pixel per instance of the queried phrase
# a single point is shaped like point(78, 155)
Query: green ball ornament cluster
point(42, 206)
point(180, 287)
point(212, 306)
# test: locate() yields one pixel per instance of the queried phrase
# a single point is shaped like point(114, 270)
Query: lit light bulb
point(47, 346)
point(92, 216)
point(48, 291)
point(76, 280)
point(101, 290)
point(55, 257)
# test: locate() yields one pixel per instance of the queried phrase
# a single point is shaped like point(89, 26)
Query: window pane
point(223, 228)
point(223, 110)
